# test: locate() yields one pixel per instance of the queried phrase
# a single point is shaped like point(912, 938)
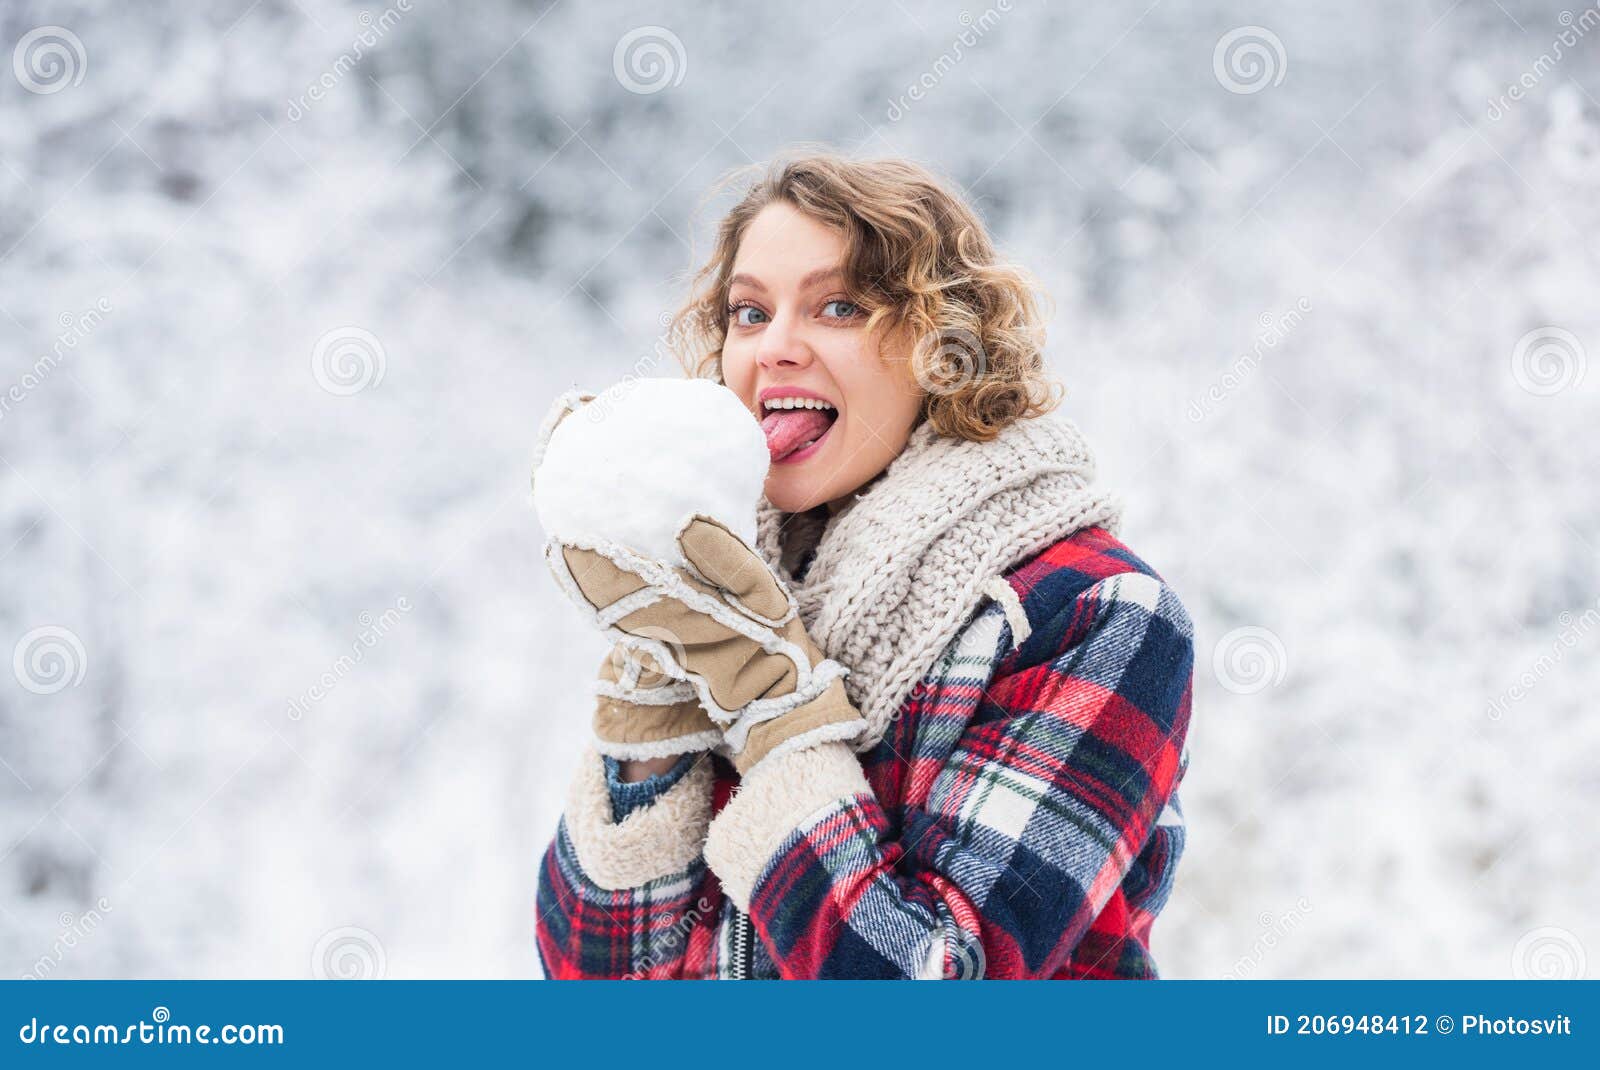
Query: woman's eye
point(841, 309)
point(747, 315)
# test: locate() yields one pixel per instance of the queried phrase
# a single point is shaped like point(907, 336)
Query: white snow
point(635, 463)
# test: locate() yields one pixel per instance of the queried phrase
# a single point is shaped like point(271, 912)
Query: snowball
point(631, 465)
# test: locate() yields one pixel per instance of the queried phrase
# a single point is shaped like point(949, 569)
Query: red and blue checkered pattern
point(1024, 821)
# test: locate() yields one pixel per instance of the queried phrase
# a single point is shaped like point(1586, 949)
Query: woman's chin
point(795, 490)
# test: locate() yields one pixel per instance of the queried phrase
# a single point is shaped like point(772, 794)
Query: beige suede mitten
point(725, 624)
point(642, 713)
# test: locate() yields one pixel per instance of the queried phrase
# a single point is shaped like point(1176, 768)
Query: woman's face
point(834, 410)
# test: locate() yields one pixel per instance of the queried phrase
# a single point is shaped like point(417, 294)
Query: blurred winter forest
point(285, 287)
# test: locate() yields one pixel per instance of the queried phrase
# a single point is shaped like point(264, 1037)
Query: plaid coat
point(1020, 819)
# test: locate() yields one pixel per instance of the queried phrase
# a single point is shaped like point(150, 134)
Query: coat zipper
point(739, 966)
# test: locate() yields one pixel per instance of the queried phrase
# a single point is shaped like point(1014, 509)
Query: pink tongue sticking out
point(788, 429)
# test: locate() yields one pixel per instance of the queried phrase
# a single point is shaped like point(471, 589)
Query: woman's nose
point(782, 346)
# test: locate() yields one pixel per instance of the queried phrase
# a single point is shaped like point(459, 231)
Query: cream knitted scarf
point(901, 569)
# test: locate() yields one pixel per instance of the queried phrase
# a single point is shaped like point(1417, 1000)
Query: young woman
point(991, 791)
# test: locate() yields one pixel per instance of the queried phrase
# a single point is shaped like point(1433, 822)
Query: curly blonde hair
point(920, 262)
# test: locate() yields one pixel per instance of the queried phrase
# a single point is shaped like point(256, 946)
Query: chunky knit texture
point(898, 572)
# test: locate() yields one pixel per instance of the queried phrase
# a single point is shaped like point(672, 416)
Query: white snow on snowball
point(633, 464)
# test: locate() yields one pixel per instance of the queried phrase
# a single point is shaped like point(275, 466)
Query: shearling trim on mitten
point(778, 797)
point(658, 840)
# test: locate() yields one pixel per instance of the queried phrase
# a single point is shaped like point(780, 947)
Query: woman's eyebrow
point(807, 282)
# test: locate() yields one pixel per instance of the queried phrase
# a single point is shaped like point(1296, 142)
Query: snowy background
point(286, 286)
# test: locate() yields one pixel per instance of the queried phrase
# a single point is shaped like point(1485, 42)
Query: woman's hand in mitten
point(640, 712)
point(727, 624)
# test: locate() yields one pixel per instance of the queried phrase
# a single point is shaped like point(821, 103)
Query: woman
point(992, 789)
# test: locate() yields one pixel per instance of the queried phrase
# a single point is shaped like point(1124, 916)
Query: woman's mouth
point(796, 427)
